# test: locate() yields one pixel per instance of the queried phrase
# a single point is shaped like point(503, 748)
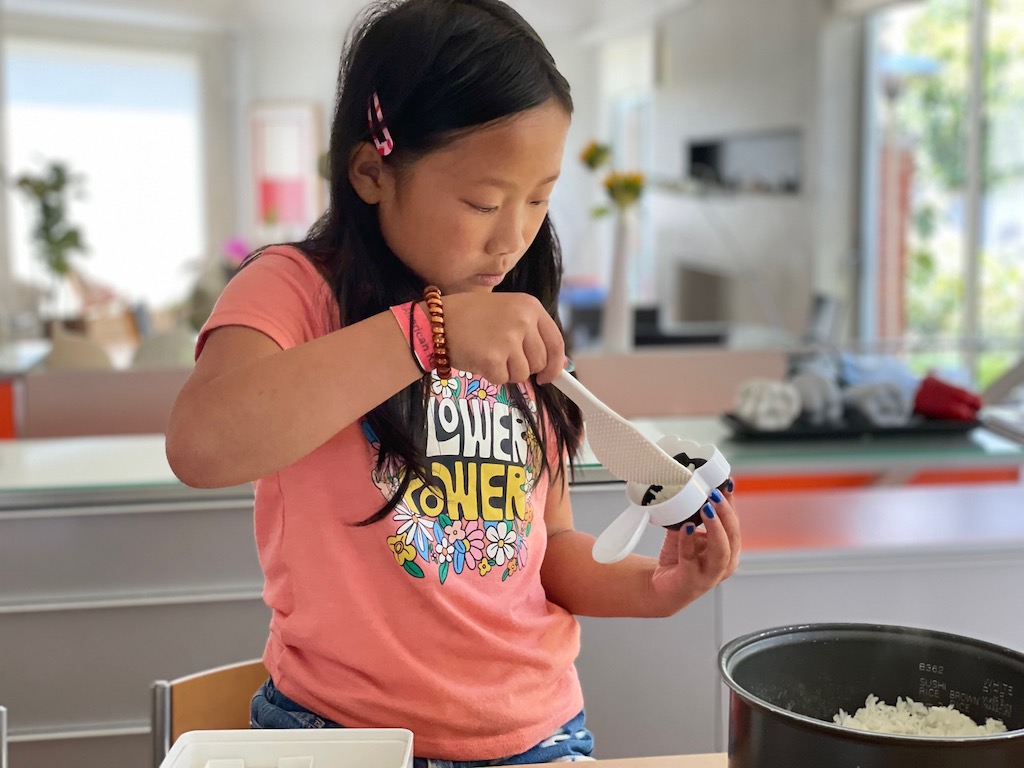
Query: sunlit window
point(920, 243)
point(127, 122)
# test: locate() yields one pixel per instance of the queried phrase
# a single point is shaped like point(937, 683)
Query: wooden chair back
point(215, 699)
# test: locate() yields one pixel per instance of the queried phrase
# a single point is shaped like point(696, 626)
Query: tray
point(1006, 420)
point(298, 748)
point(918, 426)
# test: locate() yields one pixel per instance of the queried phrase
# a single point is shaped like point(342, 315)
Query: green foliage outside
point(933, 110)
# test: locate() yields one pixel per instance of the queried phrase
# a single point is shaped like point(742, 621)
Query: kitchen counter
point(95, 465)
point(96, 469)
point(82, 466)
point(883, 520)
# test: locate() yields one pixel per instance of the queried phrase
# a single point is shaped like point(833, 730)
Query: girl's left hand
point(691, 564)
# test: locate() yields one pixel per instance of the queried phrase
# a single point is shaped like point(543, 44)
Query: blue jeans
point(272, 709)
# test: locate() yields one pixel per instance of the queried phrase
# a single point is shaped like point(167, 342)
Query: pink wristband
point(416, 328)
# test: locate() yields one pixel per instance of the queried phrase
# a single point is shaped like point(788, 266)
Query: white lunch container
point(293, 748)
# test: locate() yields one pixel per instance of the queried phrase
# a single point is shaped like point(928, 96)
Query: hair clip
point(378, 128)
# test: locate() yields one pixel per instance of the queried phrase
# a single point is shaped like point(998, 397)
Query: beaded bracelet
point(435, 308)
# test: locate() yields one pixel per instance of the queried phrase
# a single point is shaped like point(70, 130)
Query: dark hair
point(440, 68)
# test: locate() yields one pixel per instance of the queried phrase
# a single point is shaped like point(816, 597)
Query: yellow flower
point(595, 155)
point(403, 552)
point(484, 567)
point(513, 566)
point(624, 188)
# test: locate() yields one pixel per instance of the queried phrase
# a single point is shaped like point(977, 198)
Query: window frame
point(970, 343)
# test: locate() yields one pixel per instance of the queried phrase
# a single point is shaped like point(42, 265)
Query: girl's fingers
point(536, 353)
point(701, 544)
point(493, 373)
point(719, 551)
point(686, 542)
point(518, 368)
point(554, 346)
point(730, 521)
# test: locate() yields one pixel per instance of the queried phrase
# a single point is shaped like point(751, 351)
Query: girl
point(413, 524)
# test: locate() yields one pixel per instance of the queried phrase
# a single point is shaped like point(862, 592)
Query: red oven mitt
point(938, 399)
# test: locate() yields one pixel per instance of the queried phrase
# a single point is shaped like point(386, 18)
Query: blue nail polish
point(690, 528)
point(730, 485)
point(716, 496)
point(570, 366)
point(709, 512)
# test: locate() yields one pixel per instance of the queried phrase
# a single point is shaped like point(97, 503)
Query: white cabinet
point(103, 594)
point(647, 685)
point(977, 594)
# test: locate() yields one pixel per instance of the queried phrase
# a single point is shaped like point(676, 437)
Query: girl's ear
point(367, 174)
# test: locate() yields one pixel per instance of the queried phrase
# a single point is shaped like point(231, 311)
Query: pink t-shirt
point(433, 619)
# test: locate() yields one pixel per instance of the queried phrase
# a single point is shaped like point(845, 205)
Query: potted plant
point(56, 239)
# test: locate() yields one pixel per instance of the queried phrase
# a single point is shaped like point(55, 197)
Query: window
point(944, 192)
point(128, 122)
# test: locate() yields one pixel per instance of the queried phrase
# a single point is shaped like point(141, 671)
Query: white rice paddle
point(629, 455)
point(622, 448)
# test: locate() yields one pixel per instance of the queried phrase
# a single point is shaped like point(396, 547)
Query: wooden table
point(669, 761)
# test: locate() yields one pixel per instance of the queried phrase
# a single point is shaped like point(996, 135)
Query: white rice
point(911, 718)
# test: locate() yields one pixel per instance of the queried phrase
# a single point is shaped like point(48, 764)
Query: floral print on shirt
point(475, 520)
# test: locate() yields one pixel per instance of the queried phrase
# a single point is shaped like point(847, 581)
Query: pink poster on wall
point(287, 190)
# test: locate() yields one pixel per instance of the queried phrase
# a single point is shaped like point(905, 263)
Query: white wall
point(293, 64)
point(736, 66)
point(290, 64)
point(571, 202)
point(6, 288)
point(838, 162)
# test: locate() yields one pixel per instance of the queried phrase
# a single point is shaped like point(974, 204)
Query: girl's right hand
point(503, 337)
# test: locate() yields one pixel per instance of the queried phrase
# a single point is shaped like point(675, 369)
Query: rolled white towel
point(884, 404)
point(820, 398)
point(768, 405)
